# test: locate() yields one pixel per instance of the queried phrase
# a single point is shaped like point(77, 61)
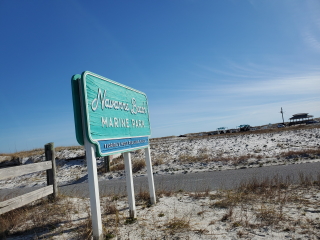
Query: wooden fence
point(49, 165)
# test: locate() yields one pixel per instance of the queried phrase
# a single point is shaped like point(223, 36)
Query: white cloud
point(296, 85)
point(311, 40)
point(204, 99)
point(307, 17)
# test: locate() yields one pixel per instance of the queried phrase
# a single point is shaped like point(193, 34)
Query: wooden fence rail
point(24, 199)
point(24, 169)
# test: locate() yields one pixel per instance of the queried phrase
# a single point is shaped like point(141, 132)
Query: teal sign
point(112, 116)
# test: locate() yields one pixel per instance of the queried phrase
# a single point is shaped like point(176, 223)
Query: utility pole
point(282, 115)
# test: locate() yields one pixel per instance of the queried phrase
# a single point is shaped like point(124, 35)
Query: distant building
point(300, 118)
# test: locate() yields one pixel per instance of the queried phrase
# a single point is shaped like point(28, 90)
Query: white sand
point(213, 153)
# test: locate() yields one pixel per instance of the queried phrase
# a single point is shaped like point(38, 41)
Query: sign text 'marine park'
point(115, 117)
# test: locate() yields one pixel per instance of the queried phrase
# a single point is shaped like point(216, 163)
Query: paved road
point(193, 181)
point(198, 181)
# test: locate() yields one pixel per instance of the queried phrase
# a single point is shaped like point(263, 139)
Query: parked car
point(244, 127)
point(280, 125)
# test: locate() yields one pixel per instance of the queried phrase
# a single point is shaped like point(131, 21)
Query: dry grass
point(58, 149)
point(258, 131)
point(228, 215)
point(254, 204)
point(199, 195)
point(163, 192)
point(158, 160)
point(178, 224)
point(265, 199)
point(186, 158)
point(306, 153)
point(41, 216)
point(84, 230)
point(110, 208)
point(143, 195)
point(161, 138)
point(22, 154)
point(38, 151)
point(138, 165)
point(117, 164)
point(204, 157)
point(117, 167)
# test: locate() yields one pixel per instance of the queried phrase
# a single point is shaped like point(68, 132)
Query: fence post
point(107, 160)
point(51, 173)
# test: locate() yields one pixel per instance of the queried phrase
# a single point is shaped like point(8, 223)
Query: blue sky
point(202, 63)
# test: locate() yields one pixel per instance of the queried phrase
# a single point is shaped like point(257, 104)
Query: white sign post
point(130, 189)
point(110, 118)
point(150, 176)
point(94, 192)
point(92, 179)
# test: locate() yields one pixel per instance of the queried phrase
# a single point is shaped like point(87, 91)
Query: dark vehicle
point(244, 127)
point(280, 125)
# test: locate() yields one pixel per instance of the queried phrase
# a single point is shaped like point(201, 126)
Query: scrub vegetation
point(273, 208)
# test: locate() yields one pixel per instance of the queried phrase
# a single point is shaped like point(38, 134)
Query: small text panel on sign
point(121, 145)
